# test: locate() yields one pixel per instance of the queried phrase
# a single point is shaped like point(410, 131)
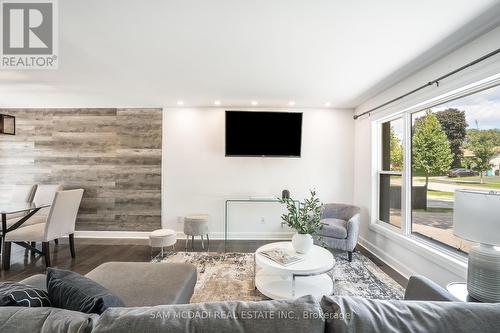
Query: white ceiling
point(157, 52)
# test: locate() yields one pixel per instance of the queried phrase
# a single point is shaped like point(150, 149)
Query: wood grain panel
point(114, 154)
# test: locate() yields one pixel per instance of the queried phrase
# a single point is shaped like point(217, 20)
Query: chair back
point(339, 211)
point(23, 193)
point(45, 195)
point(62, 216)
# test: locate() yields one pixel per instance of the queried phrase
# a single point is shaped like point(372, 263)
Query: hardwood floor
point(90, 253)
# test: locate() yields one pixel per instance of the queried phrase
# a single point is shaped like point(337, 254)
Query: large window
point(453, 145)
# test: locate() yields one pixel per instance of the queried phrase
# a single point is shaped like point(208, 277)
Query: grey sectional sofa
point(427, 308)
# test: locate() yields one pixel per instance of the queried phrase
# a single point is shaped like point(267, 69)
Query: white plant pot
point(302, 243)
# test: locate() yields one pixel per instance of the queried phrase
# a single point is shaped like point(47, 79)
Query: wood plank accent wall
point(113, 154)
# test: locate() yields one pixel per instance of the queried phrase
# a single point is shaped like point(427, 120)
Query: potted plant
point(305, 218)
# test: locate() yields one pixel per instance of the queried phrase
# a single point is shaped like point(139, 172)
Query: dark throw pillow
point(18, 294)
point(72, 291)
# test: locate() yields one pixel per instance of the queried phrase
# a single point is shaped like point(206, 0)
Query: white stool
point(196, 225)
point(161, 238)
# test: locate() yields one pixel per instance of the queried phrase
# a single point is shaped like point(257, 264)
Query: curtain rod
point(430, 83)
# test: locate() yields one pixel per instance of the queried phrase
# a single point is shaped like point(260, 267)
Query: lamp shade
point(476, 216)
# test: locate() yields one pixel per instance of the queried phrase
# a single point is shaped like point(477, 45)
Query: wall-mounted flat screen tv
point(252, 133)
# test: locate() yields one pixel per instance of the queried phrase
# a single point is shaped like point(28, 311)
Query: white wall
point(199, 178)
point(400, 253)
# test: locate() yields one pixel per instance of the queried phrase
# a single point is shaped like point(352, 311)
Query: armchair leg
point(349, 255)
point(56, 241)
point(6, 255)
point(72, 244)
point(46, 253)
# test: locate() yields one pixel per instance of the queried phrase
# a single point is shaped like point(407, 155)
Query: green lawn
point(440, 193)
point(489, 182)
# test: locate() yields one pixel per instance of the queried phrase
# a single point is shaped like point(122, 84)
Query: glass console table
point(249, 200)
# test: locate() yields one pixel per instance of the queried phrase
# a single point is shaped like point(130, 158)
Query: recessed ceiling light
point(180, 103)
point(216, 102)
point(328, 104)
point(291, 103)
point(254, 103)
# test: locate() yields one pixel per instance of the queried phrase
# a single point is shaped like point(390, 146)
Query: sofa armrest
point(147, 284)
point(353, 226)
point(422, 289)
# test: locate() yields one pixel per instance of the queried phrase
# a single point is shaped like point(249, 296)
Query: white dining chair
point(45, 195)
point(21, 194)
point(42, 194)
point(60, 222)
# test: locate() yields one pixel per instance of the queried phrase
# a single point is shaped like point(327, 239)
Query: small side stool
point(162, 238)
point(196, 225)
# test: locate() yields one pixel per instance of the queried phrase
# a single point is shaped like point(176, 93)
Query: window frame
point(406, 214)
point(381, 171)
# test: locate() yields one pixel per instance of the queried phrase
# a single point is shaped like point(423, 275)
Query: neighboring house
point(495, 161)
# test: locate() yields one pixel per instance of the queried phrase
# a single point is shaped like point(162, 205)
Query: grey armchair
point(341, 227)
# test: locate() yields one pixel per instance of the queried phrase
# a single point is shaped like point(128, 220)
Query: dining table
point(26, 208)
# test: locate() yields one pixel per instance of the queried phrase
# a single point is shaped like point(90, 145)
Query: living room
point(211, 166)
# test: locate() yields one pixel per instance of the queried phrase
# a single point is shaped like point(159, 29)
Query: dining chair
point(60, 222)
point(21, 194)
point(42, 194)
point(45, 194)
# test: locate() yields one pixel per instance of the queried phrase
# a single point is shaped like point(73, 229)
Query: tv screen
point(251, 133)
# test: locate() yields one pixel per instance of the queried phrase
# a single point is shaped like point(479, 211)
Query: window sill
point(443, 258)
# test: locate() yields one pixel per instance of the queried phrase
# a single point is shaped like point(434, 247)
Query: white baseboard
point(251, 235)
point(389, 260)
point(181, 235)
point(112, 234)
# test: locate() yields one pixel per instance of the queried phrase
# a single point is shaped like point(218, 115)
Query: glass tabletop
point(19, 207)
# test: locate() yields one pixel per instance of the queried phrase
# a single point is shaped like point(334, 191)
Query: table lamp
point(477, 218)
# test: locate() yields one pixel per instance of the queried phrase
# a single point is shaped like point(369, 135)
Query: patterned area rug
point(229, 276)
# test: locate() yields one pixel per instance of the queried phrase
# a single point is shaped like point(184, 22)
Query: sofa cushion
point(38, 281)
point(15, 319)
point(18, 294)
point(153, 283)
point(72, 291)
point(355, 314)
point(334, 228)
point(299, 315)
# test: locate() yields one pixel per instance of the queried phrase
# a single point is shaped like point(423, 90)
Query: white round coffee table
point(307, 277)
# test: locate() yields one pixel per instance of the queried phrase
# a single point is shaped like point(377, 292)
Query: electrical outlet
point(262, 220)
point(180, 219)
